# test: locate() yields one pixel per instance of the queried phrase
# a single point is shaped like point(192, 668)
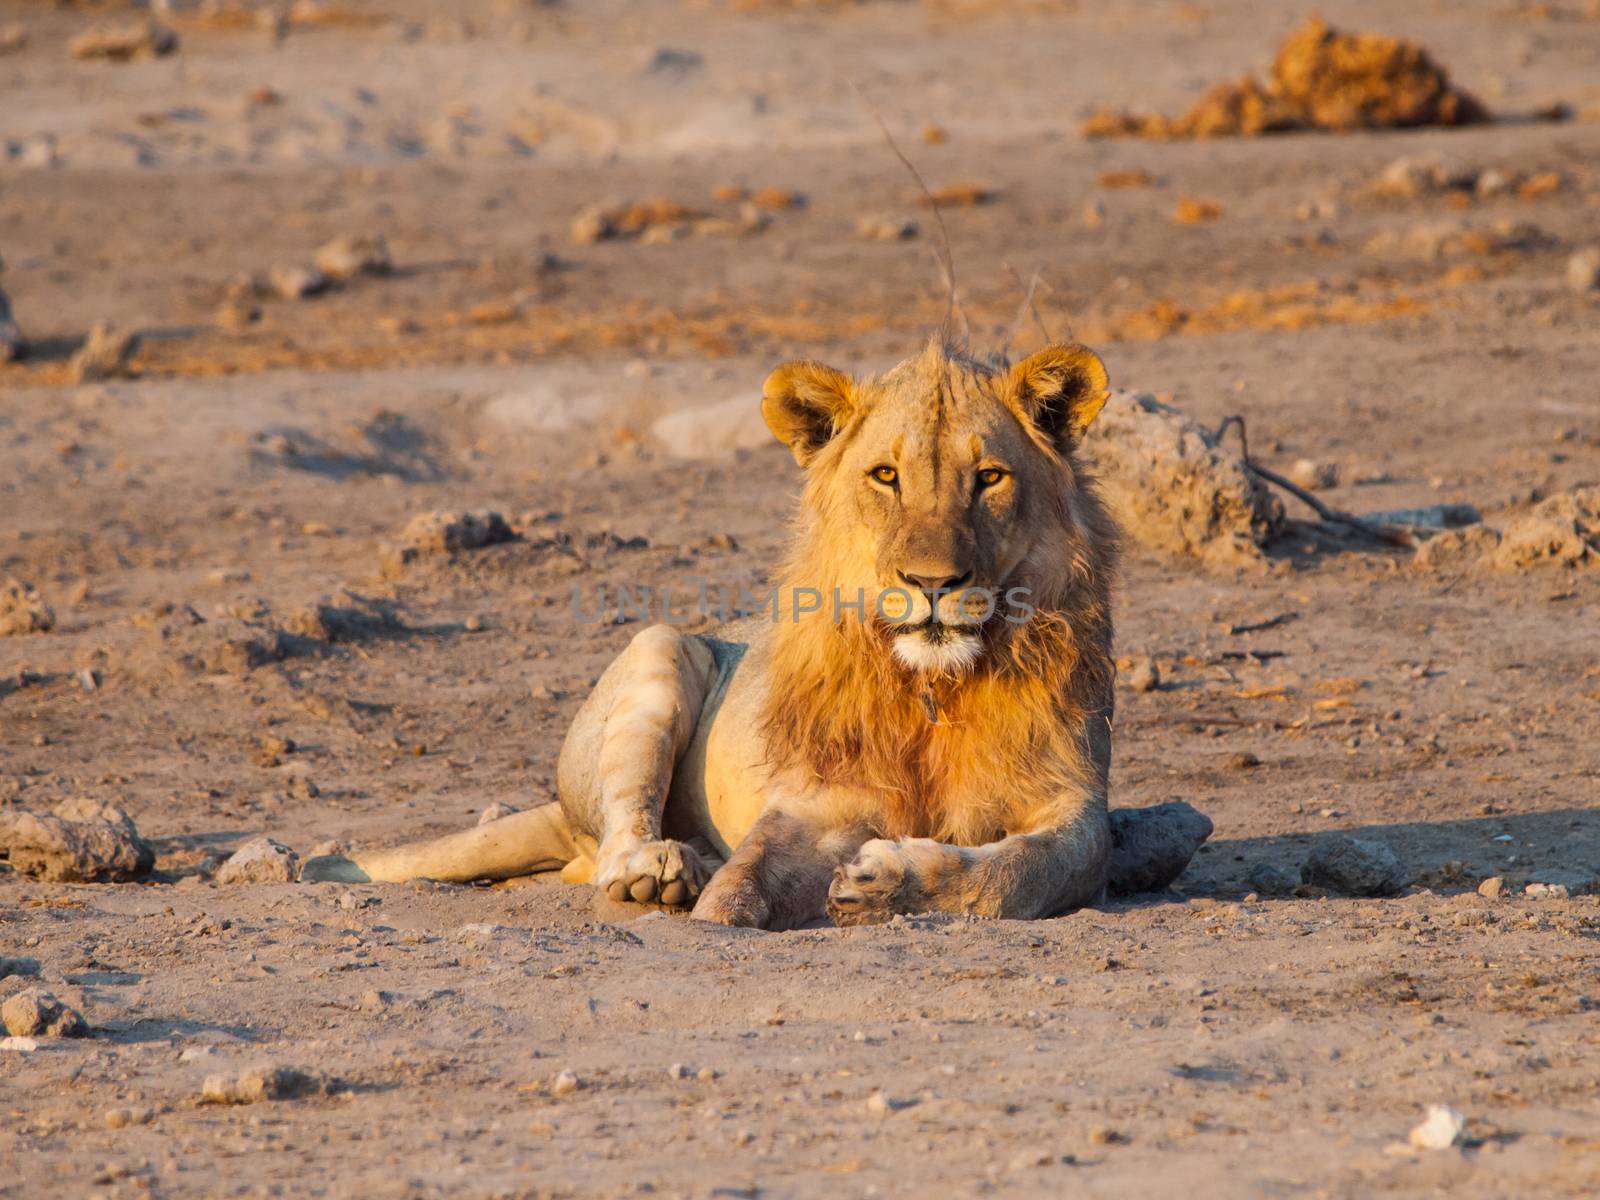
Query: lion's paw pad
point(664, 872)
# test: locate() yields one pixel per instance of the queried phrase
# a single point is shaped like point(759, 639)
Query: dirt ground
point(1210, 1041)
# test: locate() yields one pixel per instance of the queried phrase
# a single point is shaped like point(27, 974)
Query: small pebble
point(1144, 676)
point(1442, 1128)
point(1583, 270)
point(565, 1084)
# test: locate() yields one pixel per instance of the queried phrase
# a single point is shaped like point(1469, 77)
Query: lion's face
point(941, 493)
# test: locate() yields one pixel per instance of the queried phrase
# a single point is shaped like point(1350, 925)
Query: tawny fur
point(803, 756)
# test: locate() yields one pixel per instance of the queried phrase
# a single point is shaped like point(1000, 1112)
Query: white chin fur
point(952, 656)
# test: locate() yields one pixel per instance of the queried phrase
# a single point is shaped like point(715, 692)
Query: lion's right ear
point(805, 404)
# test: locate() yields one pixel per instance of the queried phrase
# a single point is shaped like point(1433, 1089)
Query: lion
point(934, 738)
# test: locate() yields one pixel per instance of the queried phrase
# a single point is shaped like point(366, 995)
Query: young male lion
point(934, 737)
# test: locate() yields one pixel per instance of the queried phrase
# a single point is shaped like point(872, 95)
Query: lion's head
point(943, 493)
point(947, 472)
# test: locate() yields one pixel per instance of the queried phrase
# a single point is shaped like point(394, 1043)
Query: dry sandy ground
point(1206, 1041)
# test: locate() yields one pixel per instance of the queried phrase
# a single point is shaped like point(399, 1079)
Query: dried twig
point(943, 253)
point(1384, 533)
point(1025, 308)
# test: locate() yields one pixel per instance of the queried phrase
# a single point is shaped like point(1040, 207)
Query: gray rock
point(36, 1013)
point(18, 966)
point(673, 62)
point(83, 841)
point(260, 860)
point(12, 343)
point(1150, 847)
point(1355, 867)
point(1271, 880)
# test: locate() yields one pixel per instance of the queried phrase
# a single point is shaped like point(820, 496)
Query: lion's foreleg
point(778, 877)
point(1023, 876)
point(617, 765)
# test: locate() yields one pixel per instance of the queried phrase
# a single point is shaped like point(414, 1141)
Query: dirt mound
point(1320, 79)
point(1561, 531)
point(1173, 488)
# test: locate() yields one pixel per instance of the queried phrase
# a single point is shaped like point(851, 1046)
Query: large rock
point(36, 1013)
point(83, 841)
point(1150, 847)
point(712, 430)
point(1355, 867)
point(260, 860)
point(1174, 488)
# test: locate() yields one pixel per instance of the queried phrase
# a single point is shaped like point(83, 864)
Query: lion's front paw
point(733, 898)
point(664, 872)
point(872, 887)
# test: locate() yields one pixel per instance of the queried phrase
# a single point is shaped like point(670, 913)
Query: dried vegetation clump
point(1320, 79)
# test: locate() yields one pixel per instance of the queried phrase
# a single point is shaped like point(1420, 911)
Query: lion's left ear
point(1060, 389)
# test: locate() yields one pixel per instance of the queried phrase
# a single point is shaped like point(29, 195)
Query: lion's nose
point(935, 583)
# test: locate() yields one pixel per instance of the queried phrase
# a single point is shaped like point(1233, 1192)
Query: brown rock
point(124, 43)
point(1563, 530)
point(23, 611)
point(260, 860)
point(297, 282)
point(104, 354)
point(1583, 273)
point(261, 1083)
point(81, 842)
point(443, 534)
point(354, 254)
point(36, 1013)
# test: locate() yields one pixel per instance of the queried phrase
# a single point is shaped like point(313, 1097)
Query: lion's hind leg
point(616, 767)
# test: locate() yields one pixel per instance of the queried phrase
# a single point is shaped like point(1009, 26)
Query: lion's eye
point(887, 476)
point(990, 476)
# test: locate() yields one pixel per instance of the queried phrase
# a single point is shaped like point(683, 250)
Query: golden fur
point(1009, 732)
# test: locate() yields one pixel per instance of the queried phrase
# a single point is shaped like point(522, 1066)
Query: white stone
point(1442, 1128)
